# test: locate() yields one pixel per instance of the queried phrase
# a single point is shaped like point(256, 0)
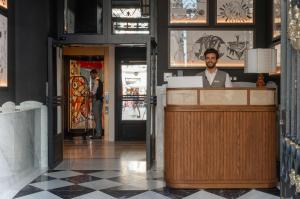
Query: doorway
point(135, 70)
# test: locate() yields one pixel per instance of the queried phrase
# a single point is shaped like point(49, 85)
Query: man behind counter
point(212, 77)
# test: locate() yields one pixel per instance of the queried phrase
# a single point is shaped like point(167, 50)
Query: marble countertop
point(19, 109)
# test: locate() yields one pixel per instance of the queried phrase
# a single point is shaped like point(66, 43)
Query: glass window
point(131, 17)
point(83, 17)
point(134, 91)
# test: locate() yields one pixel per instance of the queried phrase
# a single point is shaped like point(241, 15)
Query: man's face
point(211, 60)
point(93, 75)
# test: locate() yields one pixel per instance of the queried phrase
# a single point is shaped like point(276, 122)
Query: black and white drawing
point(3, 51)
point(188, 11)
point(276, 19)
point(186, 47)
point(235, 11)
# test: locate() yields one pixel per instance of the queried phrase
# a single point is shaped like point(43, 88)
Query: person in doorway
point(212, 77)
point(136, 103)
point(97, 101)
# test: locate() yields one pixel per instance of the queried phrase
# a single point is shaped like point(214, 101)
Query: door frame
point(55, 138)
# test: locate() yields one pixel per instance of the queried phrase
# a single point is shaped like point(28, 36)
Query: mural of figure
point(79, 105)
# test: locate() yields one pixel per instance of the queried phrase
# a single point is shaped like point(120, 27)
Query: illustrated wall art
point(235, 12)
point(188, 11)
point(276, 19)
point(80, 104)
point(3, 51)
point(186, 47)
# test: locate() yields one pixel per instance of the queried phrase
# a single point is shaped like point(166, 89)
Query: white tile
point(148, 184)
point(63, 174)
point(90, 164)
point(52, 184)
point(64, 165)
point(149, 195)
point(254, 194)
point(100, 184)
point(203, 195)
point(39, 195)
point(106, 174)
point(95, 195)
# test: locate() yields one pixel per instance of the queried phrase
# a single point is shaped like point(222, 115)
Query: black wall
point(8, 94)
point(29, 26)
point(32, 28)
point(262, 29)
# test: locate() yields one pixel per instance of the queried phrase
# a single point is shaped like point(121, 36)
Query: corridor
point(99, 169)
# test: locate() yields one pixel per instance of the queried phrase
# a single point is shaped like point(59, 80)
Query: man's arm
point(228, 83)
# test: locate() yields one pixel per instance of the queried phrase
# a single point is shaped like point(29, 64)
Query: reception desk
point(220, 138)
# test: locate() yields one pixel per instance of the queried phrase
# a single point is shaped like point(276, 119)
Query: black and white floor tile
point(112, 184)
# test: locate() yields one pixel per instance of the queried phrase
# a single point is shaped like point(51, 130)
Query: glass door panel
point(134, 91)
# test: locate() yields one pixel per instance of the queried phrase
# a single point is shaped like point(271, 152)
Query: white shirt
point(211, 76)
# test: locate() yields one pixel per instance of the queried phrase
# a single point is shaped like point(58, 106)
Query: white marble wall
point(23, 144)
point(159, 131)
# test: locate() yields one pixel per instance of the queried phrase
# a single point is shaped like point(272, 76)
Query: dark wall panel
point(8, 94)
point(261, 28)
point(32, 28)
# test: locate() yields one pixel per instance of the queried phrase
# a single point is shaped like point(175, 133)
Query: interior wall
point(111, 93)
point(262, 39)
point(32, 26)
point(8, 94)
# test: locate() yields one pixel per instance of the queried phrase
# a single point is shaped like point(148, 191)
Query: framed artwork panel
point(186, 47)
point(235, 11)
point(3, 50)
point(188, 12)
point(276, 19)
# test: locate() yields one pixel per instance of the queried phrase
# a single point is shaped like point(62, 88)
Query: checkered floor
point(106, 184)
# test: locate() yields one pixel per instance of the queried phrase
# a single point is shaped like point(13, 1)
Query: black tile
point(161, 178)
point(127, 179)
point(27, 191)
point(274, 191)
point(175, 193)
point(42, 178)
point(228, 193)
point(52, 170)
point(81, 179)
point(122, 193)
point(87, 171)
point(71, 191)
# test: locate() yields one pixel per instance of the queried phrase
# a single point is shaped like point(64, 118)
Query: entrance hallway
point(96, 169)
